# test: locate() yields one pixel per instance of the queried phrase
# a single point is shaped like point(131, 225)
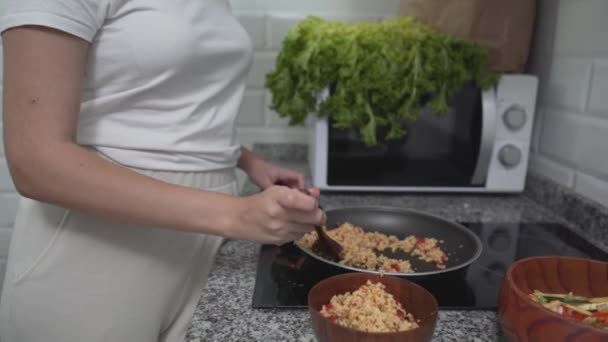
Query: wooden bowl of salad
point(555, 299)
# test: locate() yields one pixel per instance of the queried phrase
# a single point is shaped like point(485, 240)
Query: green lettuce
point(379, 74)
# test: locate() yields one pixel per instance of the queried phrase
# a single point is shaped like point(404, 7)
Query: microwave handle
point(488, 136)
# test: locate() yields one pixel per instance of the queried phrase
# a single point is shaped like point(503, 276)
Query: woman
point(119, 134)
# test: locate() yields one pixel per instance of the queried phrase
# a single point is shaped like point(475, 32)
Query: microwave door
point(488, 136)
point(437, 151)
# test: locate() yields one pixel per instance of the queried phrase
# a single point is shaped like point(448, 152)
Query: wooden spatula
point(324, 243)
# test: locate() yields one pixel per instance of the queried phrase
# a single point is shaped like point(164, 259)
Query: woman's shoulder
point(78, 17)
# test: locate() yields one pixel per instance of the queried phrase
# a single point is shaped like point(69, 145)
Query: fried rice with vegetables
point(370, 308)
point(358, 249)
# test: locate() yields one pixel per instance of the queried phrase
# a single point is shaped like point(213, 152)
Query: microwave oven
point(481, 145)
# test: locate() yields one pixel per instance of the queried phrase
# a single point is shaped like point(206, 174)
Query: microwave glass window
point(436, 150)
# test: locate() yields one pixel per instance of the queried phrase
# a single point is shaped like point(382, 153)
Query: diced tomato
point(578, 316)
point(601, 316)
point(565, 312)
point(421, 241)
point(396, 267)
point(329, 307)
point(603, 319)
point(400, 313)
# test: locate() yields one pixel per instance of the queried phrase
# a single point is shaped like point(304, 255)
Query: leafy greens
point(378, 74)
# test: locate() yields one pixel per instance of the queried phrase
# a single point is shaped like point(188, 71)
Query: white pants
point(72, 277)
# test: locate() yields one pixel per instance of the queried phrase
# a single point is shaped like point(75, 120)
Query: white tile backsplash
point(251, 135)
point(347, 7)
point(577, 141)
point(272, 118)
point(255, 25)
point(354, 18)
point(551, 169)
point(263, 63)
point(592, 187)
point(557, 126)
point(278, 26)
point(598, 97)
point(253, 109)
point(572, 63)
point(591, 145)
point(568, 83)
point(581, 28)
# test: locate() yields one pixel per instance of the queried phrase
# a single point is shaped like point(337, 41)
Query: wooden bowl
point(524, 320)
point(414, 299)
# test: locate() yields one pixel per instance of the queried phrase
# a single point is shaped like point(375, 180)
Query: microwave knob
point(515, 118)
point(509, 156)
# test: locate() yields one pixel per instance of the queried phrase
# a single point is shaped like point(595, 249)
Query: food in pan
point(592, 311)
point(370, 308)
point(364, 249)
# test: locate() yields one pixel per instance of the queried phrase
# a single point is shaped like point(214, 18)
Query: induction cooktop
point(285, 274)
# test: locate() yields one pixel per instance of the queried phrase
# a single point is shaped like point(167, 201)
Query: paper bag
point(504, 27)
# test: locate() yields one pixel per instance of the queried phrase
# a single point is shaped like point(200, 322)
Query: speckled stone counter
point(225, 312)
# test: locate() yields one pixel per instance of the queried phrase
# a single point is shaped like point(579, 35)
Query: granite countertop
point(225, 312)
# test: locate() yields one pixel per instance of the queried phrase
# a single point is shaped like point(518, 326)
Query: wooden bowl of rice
point(363, 307)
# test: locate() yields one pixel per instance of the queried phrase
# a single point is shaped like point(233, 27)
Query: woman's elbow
point(23, 175)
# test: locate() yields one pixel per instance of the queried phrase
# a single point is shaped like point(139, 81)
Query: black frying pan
point(462, 246)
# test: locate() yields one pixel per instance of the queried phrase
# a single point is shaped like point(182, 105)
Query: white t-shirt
point(164, 79)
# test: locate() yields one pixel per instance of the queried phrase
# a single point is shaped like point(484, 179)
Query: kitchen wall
point(267, 21)
point(571, 58)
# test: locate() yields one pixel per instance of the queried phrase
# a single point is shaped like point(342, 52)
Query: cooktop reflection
point(285, 274)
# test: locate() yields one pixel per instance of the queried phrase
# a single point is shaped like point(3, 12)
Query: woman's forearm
point(68, 175)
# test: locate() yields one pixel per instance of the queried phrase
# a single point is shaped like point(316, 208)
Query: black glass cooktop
point(285, 274)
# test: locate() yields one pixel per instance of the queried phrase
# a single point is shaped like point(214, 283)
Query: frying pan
point(462, 246)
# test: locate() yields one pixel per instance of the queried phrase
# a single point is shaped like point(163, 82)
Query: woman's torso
point(163, 84)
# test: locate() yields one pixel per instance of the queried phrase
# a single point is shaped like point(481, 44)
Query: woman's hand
point(265, 174)
point(278, 215)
